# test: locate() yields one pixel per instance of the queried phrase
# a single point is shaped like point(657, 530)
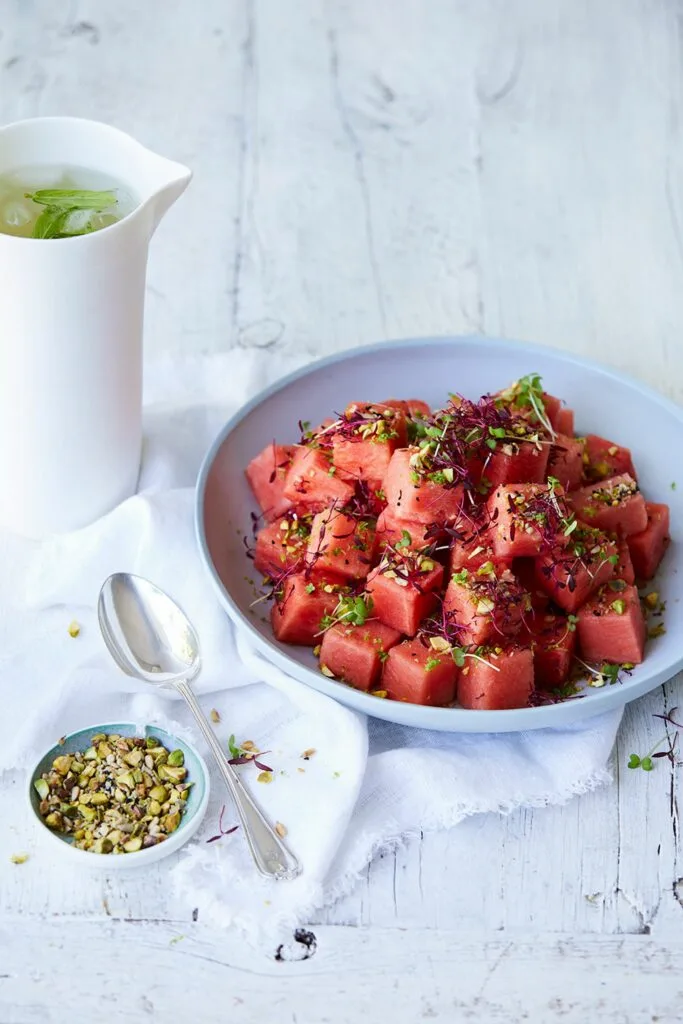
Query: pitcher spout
point(166, 183)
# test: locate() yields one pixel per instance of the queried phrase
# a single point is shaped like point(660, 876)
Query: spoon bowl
point(147, 634)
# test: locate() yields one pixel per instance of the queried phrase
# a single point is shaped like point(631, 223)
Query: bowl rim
point(140, 857)
point(512, 719)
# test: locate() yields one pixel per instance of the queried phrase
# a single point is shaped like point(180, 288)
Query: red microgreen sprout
point(222, 831)
point(240, 755)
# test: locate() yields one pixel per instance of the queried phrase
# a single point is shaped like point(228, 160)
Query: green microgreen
point(527, 392)
point(606, 673)
point(647, 762)
point(354, 611)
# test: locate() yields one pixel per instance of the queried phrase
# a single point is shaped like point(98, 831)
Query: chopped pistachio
point(42, 789)
point(101, 800)
point(62, 764)
point(74, 629)
point(172, 774)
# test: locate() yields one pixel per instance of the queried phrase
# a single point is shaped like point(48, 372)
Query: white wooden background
point(371, 169)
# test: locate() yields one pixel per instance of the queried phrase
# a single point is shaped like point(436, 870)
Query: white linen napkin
point(368, 785)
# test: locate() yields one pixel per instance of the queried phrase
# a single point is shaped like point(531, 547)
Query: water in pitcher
point(60, 202)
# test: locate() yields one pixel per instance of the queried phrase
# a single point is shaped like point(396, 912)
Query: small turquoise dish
point(197, 802)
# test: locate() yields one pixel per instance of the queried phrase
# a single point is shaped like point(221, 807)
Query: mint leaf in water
point(49, 223)
point(73, 198)
point(68, 211)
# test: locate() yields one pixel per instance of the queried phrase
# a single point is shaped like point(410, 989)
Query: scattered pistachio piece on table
point(74, 628)
point(214, 716)
point(19, 858)
point(120, 795)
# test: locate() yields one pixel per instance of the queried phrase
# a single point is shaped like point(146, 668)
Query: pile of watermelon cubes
point(477, 553)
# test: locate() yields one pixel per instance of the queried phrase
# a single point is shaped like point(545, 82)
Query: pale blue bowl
point(197, 802)
point(605, 402)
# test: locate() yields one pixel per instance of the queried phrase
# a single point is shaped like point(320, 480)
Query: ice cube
point(77, 222)
point(15, 213)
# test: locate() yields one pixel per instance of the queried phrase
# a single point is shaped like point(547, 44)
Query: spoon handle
point(270, 854)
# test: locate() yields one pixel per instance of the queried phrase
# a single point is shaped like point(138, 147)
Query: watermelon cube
point(564, 422)
point(485, 604)
point(266, 476)
point(526, 519)
point(516, 463)
point(525, 571)
point(611, 625)
point(565, 461)
point(554, 408)
point(364, 459)
point(301, 604)
point(312, 481)
point(623, 570)
point(281, 544)
point(365, 440)
point(603, 459)
point(615, 505)
point(570, 573)
point(412, 495)
point(553, 644)
point(502, 677)
point(416, 673)
point(471, 552)
point(411, 535)
point(355, 654)
point(341, 544)
point(402, 588)
point(647, 547)
point(414, 408)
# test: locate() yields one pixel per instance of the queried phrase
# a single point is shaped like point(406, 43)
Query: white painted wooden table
point(381, 169)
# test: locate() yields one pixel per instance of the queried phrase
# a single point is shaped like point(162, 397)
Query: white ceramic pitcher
point(71, 320)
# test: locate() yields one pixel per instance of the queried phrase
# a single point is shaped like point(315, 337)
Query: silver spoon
point(150, 638)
